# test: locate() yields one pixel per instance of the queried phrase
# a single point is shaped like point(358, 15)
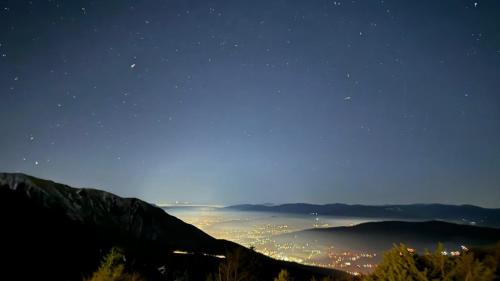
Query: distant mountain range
point(467, 214)
point(51, 231)
point(380, 236)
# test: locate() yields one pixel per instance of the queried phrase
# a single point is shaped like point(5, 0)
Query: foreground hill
point(52, 231)
point(457, 213)
point(380, 236)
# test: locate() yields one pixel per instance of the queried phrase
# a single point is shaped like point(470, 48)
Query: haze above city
point(226, 102)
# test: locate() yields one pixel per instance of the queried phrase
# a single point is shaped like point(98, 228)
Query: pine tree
point(112, 268)
point(283, 276)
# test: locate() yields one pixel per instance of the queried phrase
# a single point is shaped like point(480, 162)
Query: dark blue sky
point(255, 101)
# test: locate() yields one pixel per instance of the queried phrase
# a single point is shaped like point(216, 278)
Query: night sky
point(235, 101)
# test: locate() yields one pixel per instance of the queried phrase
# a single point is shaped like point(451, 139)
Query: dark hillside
point(52, 231)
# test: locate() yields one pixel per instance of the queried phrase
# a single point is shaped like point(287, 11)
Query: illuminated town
point(275, 235)
point(265, 237)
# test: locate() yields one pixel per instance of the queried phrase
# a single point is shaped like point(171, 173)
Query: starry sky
point(227, 102)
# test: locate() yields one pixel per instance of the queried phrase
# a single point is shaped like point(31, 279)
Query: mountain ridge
point(382, 235)
point(436, 227)
point(85, 205)
point(465, 213)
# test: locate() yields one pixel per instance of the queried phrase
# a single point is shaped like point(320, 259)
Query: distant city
point(278, 235)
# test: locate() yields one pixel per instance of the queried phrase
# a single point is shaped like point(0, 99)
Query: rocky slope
point(130, 217)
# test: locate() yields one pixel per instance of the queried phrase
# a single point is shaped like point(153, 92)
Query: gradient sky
point(237, 101)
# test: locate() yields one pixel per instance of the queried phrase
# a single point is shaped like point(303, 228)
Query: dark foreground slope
point(456, 213)
point(51, 231)
point(380, 236)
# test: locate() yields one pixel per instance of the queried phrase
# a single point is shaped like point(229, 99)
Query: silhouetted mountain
point(457, 213)
point(380, 236)
point(52, 231)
